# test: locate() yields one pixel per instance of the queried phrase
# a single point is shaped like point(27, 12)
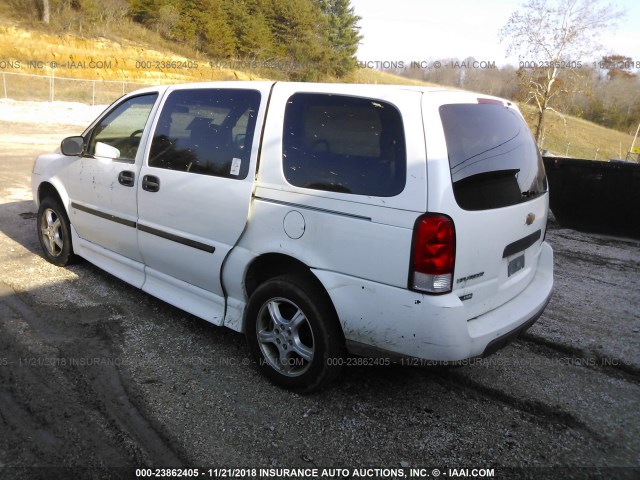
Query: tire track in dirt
point(95, 383)
point(613, 367)
point(562, 390)
point(543, 412)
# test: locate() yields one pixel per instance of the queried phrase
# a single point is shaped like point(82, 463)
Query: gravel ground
point(95, 374)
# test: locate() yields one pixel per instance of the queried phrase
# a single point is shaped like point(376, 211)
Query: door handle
point(150, 183)
point(126, 178)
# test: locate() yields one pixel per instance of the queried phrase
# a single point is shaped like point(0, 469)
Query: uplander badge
point(470, 277)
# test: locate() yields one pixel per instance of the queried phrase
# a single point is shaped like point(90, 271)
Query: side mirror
point(72, 146)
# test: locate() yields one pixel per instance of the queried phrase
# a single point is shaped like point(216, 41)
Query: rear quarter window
point(344, 144)
point(493, 157)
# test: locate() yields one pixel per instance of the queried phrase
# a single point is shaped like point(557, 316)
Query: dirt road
point(96, 374)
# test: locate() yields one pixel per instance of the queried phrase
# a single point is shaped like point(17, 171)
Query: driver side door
point(102, 189)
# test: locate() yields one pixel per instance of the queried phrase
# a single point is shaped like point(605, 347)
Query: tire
point(54, 232)
point(294, 334)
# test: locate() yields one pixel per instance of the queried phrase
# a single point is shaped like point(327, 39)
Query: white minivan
point(389, 222)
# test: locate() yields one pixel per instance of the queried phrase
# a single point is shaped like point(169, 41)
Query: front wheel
point(54, 232)
point(294, 334)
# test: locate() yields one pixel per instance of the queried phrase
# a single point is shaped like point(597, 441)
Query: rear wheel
point(294, 334)
point(54, 232)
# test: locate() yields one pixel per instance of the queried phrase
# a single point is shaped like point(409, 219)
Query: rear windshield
point(493, 158)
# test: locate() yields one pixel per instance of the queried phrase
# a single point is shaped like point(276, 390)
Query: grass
point(364, 75)
point(130, 43)
point(578, 138)
point(73, 54)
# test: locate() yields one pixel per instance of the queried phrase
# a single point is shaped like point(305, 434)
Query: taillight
point(433, 254)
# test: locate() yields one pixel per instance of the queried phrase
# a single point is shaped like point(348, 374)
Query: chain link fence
point(24, 86)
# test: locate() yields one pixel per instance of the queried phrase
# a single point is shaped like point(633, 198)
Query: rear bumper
point(500, 342)
point(379, 320)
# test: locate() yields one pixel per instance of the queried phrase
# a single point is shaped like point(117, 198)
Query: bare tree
point(551, 36)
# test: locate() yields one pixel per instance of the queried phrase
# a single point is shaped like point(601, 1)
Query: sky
point(429, 29)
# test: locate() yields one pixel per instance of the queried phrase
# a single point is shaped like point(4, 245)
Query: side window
point(206, 131)
point(118, 134)
point(344, 144)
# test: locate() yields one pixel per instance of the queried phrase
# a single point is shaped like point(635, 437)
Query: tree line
point(552, 39)
point(314, 39)
point(606, 92)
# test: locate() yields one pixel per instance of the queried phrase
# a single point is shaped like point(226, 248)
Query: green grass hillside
point(575, 137)
point(162, 64)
